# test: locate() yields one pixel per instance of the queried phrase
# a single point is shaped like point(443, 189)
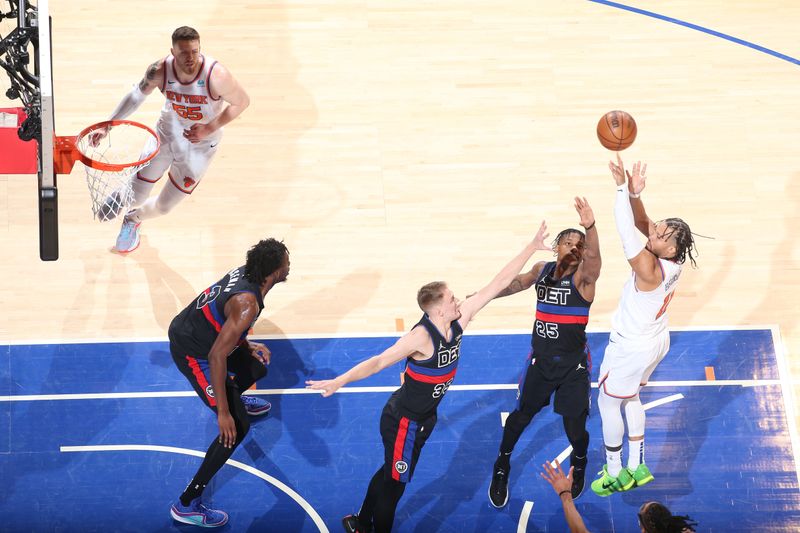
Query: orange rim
point(114, 167)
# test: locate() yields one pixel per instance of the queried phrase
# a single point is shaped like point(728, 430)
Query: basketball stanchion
point(112, 152)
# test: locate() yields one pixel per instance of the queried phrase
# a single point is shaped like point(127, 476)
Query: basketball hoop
point(112, 152)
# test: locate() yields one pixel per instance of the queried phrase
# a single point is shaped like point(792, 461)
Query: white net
point(116, 152)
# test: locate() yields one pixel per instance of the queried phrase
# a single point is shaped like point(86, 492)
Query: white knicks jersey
point(643, 314)
point(188, 103)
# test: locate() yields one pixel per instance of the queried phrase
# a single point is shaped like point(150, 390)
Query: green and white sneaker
point(606, 484)
point(641, 476)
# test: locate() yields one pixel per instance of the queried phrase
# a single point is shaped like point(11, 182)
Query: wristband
point(634, 195)
point(564, 492)
point(590, 226)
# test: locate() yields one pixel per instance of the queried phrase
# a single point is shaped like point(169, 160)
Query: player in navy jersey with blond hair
point(431, 351)
point(196, 88)
point(559, 363)
point(208, 342)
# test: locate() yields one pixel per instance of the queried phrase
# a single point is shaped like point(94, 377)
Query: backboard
point(32, 36)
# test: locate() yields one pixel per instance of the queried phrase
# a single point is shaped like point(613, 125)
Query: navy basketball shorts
point(403, 440)
point(243, 370)
point(572, 392)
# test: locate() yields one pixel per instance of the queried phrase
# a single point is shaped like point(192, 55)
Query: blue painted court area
point(721, 453)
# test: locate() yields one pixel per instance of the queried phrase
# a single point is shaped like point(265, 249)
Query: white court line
point(788, 397)
point(354, 335)
point(354, 390)
point(522, 527)
point(247, 468)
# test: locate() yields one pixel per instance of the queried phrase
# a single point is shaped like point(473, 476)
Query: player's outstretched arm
point(642, 261)
point(636, 184)
point(153, 78)
point(589, 269)
point(470, 307)
point(521, 282)
point(415, 341)
point(562, 485)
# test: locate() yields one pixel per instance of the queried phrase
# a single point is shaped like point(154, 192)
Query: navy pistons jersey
point(426, 382)
point(196, 328)
point(559, 331)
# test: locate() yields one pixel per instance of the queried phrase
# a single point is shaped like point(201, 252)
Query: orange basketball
point(616, 130)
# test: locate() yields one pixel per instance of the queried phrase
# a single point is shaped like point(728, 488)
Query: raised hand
point(637, 179)
point(618, 170)
point(585, 211)
point(556, 478)
point(541, 237)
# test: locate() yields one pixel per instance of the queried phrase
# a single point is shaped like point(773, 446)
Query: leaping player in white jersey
point(639, 336)
point(190, 127)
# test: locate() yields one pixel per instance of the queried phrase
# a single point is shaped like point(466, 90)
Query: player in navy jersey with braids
point(208, 342)
point(431, 351)
point(559, 363)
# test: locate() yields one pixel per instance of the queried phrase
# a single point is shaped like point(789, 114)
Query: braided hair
point(684, 240)
point(656, 518)
point(566, 232)
point(263, 259)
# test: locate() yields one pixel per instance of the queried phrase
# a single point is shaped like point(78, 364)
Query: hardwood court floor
point(393, 144)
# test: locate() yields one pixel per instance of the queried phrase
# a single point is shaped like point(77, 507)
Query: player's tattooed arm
point(151, 78)
point(513, 288)
point(523, 281)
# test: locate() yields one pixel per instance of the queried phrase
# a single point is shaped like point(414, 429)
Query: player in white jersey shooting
point(639, 337)
point(196, 89)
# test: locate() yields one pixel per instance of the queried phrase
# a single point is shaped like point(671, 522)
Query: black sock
point(368, 507)
point(193, 490)
point(503, 461)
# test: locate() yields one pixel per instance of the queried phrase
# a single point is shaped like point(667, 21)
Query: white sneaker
point(128, 238)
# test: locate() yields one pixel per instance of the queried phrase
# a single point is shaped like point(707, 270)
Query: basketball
point(616, 130)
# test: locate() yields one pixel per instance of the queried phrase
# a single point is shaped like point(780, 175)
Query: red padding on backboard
point(16, 156)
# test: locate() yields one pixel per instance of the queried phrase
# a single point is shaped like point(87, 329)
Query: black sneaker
point(578, 482)
point(352, 525)
point(498, 490)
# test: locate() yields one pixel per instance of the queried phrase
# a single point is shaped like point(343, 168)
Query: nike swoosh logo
point(170, 82)
point(213, 145)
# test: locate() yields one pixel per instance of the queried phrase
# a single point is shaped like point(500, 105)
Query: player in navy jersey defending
point(196, 88)
point(431, 351)
point(560, 362)
point(208, 342)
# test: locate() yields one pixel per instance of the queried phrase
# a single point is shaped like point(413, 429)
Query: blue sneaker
point(128, 238)
point(197, 514)
point(255, 406)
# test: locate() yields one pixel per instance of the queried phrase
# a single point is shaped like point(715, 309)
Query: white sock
point(635, 453)
point(614, 461)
